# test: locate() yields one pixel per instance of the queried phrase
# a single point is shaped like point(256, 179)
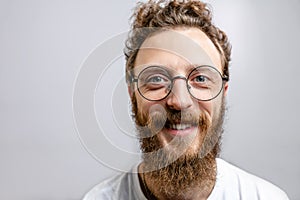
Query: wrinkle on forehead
point(191, 44)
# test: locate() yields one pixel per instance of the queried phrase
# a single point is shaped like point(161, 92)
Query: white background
point(43, 44)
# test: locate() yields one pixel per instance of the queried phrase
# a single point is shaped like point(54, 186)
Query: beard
point(185, 162)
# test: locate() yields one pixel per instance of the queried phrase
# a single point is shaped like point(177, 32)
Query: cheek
point(143, 105)
point(147, 108)
point(207, 107)
point(216, 106)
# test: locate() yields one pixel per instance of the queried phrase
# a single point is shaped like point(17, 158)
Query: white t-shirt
point(232, 183)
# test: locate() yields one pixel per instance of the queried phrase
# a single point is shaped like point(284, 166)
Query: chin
point(176, 147)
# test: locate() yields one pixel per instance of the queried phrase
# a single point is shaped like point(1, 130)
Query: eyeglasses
point(155, 83)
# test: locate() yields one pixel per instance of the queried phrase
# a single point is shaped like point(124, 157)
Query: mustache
point(173, 117)
point(159, 118)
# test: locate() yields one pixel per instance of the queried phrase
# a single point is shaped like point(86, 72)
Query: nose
point(179, 98)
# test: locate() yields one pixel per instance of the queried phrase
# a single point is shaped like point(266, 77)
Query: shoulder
point(105, 189)
point(119, 187)
point(246, 185)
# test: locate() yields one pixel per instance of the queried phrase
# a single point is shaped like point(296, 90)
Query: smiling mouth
point(180, 129)
point(179, 126)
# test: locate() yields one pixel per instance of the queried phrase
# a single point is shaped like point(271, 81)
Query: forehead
point(178, 48)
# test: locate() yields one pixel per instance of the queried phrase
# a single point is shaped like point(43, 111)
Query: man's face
point(181, 122)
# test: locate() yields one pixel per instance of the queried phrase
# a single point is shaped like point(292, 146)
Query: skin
point(180, 49)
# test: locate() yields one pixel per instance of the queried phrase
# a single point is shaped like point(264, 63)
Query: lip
point(183, 132)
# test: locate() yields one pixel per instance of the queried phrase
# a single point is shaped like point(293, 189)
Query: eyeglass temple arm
point(131, 78)
point(225, 78)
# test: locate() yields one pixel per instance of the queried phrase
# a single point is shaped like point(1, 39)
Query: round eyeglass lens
point(154, 83)
point(205, 83)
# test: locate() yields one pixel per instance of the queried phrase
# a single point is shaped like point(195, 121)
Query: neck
point(185, 185)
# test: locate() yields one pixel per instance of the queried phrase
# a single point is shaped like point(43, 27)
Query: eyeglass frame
point(133, 79)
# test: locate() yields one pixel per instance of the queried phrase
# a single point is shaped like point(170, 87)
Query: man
point(177, 75)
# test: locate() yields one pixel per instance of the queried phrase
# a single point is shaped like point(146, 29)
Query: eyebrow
point(191, 67)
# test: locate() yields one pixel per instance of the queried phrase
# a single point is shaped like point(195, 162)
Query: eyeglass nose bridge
point(179, 77)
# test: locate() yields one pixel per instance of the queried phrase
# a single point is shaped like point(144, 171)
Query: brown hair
point(156, 15)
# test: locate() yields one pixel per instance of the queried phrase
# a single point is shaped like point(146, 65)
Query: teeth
point(180, 126)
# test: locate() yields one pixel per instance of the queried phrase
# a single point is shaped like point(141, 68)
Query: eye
point(200, 79)
point(155, 79)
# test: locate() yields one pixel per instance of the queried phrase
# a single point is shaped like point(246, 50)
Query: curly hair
point(157, 15)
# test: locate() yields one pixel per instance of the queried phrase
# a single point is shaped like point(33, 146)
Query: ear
point(225, 89)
